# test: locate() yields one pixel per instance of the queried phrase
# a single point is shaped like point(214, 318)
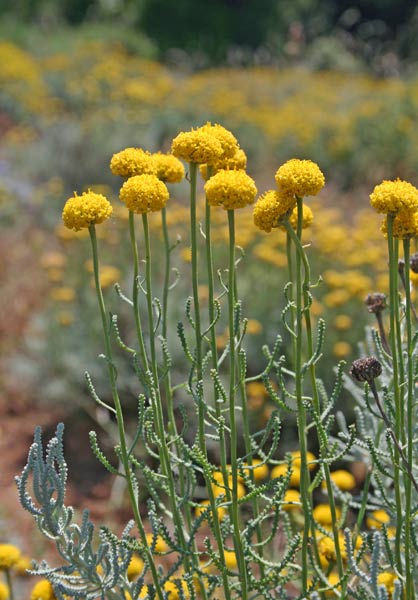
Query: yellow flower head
point(230, 189)
point(227, 139)
point(322, 514)
point(270, 208)
point(388, 580)
point(9, 555)
point(377, 519)
point(172, 590)
point(197, 146)
point(405, 225)
point(135, 567)
point(62, 294)
point(132, 161)
point(390, 197)
point(282, 471)
point(203, 507)
point(4, 591)
point(300, 177)
point(259, 471)
point(307, 217)
point(230, 560)
point(88, 209)
point(43, 590)
point(333, 579)
point(22, 566)
point(344, 480)
point(291, 500)
point(235, 163)
point(160, 544)
point(413, 278)
point(310, 459)
point(144, 193)
point(168, 168)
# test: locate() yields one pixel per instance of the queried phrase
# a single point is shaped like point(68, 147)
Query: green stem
point(232, 421)
point(394, 317)
point(410, 413)
point(9, 584)
point(119, 416)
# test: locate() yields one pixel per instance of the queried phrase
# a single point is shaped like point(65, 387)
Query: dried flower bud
point(401, 266)
point(366, 369)
point(413, 262)
point(375, 302)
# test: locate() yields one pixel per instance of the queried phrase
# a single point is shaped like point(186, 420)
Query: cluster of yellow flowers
point(12, 562)
point(295, 179)
point(399, 199)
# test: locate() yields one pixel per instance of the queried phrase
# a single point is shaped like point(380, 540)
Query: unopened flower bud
point(375, 302)
point(366, 369)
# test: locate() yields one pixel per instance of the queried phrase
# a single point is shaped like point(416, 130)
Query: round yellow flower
point(235, 163)
point(310, 459)
point(62, 294)
point(341, 349)
point(307, 217)
point(4, 591)
point(230, 559)
point(333, 579)
point(230, 189)
point(388, 580)
point(344, 480)
point(160, 544)
point(260, 471)
point(291, 500)
point(270, 208)
point(144, 193)
point(227, 139)
point(22, 566)
point(391, 197)
point(377, 519)
point(300, 177)
point(172, 590)
point(282, 470)
point(405, 225)
point(135, 567)
point(203, 506)
point(343, 322)
point(197, 147)
point(132, 161)
point(88, 209)
point(168, 168)
point(43, 590)
point(219, 488)
point(413, 277)
point(322, 514)
point(9, 555)
point(109, 275)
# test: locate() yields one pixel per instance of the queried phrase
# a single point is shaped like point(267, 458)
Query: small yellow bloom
point(388, 580)
point(227, 139)
point(236, 163)
point(254, 327)
point(109, 275)
point(203, 506)
point(342, 349)
point(300, 177)
point(62, 294)
point(270, 208)
point(413, 278)
point(144, 193)
point(307, 217)
point(22, 566)
point(172, 590)
point(322, 514)
point(291, 500)
point(344, 480)
point(218, 486)
point(88, 209)
point(51, 260)
point(132, 161)
point(377, 519)
point(256, 394)
point(135, 567)
point(230, 189)
point(230, 560)
point(282, 470)
point(160, 544)
point(9, 555)
point(405, 225)
point(43, 590)
point(333, 579)
point(343, 322)
point(4, 591)
point(390, 197)
point(197, 147)
point(260, 471)
point(310, 459)
point(168, 168)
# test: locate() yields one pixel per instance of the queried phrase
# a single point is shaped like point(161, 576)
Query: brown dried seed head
point(375, 302)
point(366, 369)
point(413, 262)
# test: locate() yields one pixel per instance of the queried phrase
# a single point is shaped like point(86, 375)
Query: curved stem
point(119, 416)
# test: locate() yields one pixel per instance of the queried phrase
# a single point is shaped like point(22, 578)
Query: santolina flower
point(270, 208)
point(9, 555)
point(300, 177)
point(132, 161)
point(4, 591)
point(236, 162)
point(390, 197)
point(168, 168)
point(43, 590)
point(230, 189)
point(135, 567)
point(227, 139)
point(88, 209)
point(307, 217)
point(197, 146)
point(405, 225)
point(144, 193)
